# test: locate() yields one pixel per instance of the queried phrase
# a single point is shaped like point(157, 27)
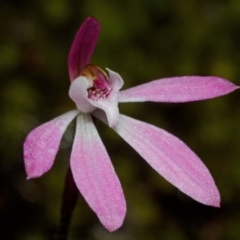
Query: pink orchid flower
point(97, 94)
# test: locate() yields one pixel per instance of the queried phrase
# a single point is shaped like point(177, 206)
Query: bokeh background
point(142, 40)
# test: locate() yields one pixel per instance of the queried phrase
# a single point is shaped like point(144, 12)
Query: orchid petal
point(83, 46)
point(110, 104)
point(171, 158)
point(42, 144)
point(95, 176)
point(178, 89)
point(115, 80)
point(78, 92)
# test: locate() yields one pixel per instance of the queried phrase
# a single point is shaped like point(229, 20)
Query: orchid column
point(97, 94)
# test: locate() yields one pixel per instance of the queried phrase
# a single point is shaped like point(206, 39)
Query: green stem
point(69, 200)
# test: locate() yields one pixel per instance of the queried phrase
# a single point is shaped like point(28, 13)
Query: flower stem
point(69, 200)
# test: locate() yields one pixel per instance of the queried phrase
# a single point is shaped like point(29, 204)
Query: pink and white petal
point(171, 158)
point(178, 89)
point(115, 80)
point(110, 104)
point(78, 92)
point(83, 46)
point(42, 144)
point(95, 176)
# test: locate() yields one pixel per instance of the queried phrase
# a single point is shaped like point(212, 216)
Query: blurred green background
point(142, 40)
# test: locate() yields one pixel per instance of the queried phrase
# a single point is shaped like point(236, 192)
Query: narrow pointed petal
point(95, 176)
point(178, 89)
point(171, 158)
point(83, 47)
point(42, 144)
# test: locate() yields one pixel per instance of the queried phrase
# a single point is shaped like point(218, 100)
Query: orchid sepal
point(95, 176)
point(83, 47)
point(178, 89)
point(42, 144)
point(171, 158)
